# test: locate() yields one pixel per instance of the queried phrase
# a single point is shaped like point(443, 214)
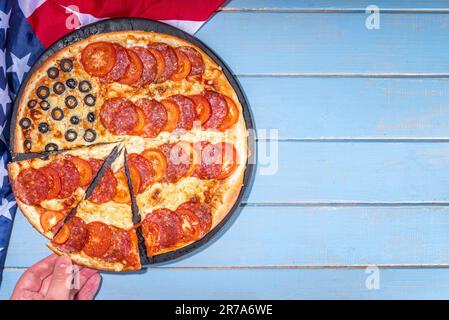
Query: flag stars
point(4, 208)
point(4, 98)
point(4, 20)
point(19, 65)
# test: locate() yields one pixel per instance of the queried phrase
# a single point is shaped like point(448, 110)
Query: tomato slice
point(134, 71)
point(99, 239)
point(191, 227)
point(84, 169)
point(54, 181)
point(122, 192)
point(203, 109)
point(158, 162)
point(150, 232)
point(229, 160)
point(141, 122)
point(62, 236)
point(184, 66)
point(98, 58)
point(50, 218)
point(232, 115)
point(173, 115)
point(160, 62)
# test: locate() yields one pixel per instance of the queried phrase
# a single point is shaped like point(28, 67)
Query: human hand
point(53, 278)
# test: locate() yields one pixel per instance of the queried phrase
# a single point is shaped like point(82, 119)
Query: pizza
point(132, 144)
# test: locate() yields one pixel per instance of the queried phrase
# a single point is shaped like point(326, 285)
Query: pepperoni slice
point(98, 58)
point(170, 59)
point(229, 160)
point(108, 109)
point(178, 162)
point(210, 161)
point(31, 186)
point(105, 190)
point(121, 246)
point(202, 211)
point(191, 227)
point(219, 109)
point(95, 164)
point(134, 72)
point(196, 59)
point(125, 119)
point(149, 66)
point(155, 114)
point(187, 111)
point(99, 239)
point(69, 175)
point(145, 169)
point(121, 66)
point(169, 225)
point(54, 181)
point(78, 236)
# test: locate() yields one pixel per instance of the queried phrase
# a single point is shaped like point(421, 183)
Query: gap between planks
point(360, 140)
point(344, 75)
point(346, 204)
point(364, 266)
point(323, 10)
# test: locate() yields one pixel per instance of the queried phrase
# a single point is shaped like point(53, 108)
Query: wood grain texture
point(266, 284)
point(349, 108)
point(329, 44)
point(302, 237)
point(363, 150)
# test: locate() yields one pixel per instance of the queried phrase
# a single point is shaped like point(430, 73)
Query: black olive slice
point(25, 123)
point(57, 114)
point(43, 92)
point(43, 127)
point(90, 100)
point(27, 145)
point(74, 120)
point(90, 135)
point(44, 105)
point(85, 86)
point(32, 103)
point(71, 102)
point(51, 147)
point(71, 83)
point(53, 72)
point(66, 65)
point(58, 88)
point(91, 117)
point(71, 135)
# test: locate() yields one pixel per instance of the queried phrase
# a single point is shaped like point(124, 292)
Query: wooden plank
point(354, 108)
point(266, 284)
point(329, 43)
point(342, 5)
point(301, 237)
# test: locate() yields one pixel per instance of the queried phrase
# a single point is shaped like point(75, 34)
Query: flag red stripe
point(49, 20)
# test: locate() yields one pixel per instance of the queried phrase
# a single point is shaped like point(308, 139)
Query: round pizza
point(131, 144)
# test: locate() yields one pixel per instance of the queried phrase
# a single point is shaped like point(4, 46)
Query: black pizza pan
point(122, 24)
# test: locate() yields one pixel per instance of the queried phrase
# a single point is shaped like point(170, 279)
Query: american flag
point(27, 27)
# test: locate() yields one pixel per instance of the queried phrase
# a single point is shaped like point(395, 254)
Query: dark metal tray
point(119, 24)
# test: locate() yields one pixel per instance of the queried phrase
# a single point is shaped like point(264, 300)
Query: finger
point(90, 288)
point(47, 281)
point(33, 277)
point(61, 280)
point(27, 295)
point(80, 277)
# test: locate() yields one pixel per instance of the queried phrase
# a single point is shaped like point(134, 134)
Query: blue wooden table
point(363, 159)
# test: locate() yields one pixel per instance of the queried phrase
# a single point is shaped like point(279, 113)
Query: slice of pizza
point(182, 189)
point(101, 232)
point(47, 188)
